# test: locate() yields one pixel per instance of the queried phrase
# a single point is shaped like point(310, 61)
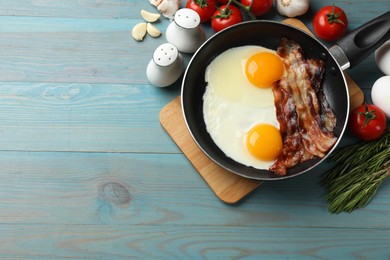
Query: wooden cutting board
point(228, 187)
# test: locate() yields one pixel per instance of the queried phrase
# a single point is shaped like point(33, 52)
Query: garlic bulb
point(292, 8)
point(168, 8)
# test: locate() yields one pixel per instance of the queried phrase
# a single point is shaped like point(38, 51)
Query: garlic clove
point(152, 30)
point(139, 31)
point(150, 17)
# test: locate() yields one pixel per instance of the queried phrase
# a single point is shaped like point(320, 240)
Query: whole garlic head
point(292, 8)
point(382, 57)
point(168, 8)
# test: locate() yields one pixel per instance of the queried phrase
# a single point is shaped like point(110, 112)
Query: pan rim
point(221, 164)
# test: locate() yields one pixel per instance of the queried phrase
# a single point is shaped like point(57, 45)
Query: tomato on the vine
point(225, 16)
point(330, 23)
point(367, 122)
point(205, 8)
point(259, 7)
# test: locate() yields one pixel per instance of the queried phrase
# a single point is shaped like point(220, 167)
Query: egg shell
point(382, 57)
point(380, 94)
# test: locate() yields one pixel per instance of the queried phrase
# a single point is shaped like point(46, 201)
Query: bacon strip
point(305, 117)
point(328, 118)
point(289, 128)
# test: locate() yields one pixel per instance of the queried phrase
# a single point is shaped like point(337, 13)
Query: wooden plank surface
point(87, 171)
point(132, 189)
point(167, 242)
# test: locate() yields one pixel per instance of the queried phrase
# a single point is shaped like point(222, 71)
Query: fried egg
point(238, 107)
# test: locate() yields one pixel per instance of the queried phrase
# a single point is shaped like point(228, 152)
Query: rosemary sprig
point(358, 172)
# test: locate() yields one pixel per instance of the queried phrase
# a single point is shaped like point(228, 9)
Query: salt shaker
point(166, 66)
point(185, 31)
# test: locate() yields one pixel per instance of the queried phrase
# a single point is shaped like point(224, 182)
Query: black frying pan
point(347, 52)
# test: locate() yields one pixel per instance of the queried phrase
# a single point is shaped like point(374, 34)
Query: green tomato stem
point(201, 3)
point(334, 18)
point(247, 9)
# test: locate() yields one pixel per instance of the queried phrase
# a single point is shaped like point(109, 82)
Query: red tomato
point(367, 122)
point(226, 16)
point(330, 23)
point(259, 7)
point(205, 8)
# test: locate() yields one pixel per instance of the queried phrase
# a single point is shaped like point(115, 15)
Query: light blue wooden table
point(88, 172)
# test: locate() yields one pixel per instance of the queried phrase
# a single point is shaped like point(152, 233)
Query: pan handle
point(361, 42)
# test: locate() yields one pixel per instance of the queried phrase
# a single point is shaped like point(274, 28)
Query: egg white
point(226, 74)
point(232, 105)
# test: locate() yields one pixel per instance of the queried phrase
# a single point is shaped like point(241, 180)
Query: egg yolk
point(263, 69)
point(264, 142)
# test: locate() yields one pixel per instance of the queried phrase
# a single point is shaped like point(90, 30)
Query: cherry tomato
point(330, 23)
point(367, 122)
point(205, 8)
point(259, 7)
point(226, 16)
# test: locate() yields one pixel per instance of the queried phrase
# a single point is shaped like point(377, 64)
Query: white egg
point(382, 58)
point(380, 94)
point(232, 105)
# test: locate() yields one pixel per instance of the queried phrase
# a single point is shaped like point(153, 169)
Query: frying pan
point(347, 52)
